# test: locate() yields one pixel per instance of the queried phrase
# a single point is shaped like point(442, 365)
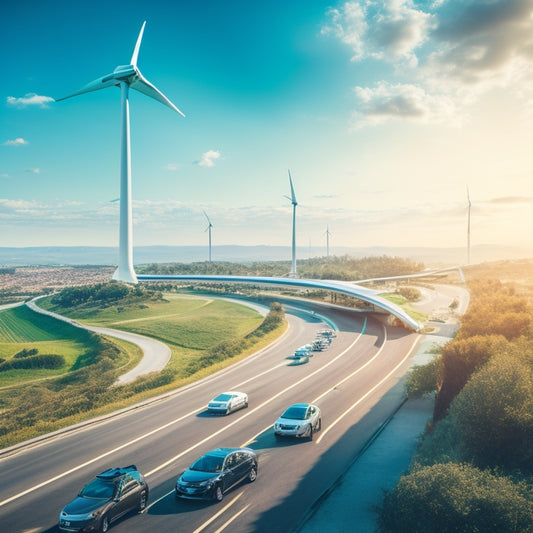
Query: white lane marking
point(214, 517)
point(301, 381)
point(159, 499)
point(332, 425)
point(295, 384)
point(94, 459)
point(356, 372)
point(237, 387)
point(224, 526)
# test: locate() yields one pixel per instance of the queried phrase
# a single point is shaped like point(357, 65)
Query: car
point(109, 496)
point(299, 420)
point(217, 472)
point(227, 402)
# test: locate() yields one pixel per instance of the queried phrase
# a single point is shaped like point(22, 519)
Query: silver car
point(227, 402)
point(299, 420)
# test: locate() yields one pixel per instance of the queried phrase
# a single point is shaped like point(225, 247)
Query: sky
point(388, 114)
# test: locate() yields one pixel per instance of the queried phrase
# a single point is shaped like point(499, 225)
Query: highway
point(348, 381)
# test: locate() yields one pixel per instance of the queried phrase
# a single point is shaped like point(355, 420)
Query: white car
point(299, 420)
point(227, 402)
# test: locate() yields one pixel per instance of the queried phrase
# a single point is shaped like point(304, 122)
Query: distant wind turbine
point(126, 77)
point(468, 228)
point(327, 233)
point(294, 203)
point(209, 226)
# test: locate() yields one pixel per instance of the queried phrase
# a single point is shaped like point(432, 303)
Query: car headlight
point(208, 483)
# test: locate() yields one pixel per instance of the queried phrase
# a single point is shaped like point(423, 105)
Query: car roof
point(113, 473)
point(230, 392)
point(300, 405)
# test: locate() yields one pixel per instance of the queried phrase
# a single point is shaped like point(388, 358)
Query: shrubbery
point(472, 471)
point(34, 362)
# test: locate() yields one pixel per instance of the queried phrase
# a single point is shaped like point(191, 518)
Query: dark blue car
point(217, 472)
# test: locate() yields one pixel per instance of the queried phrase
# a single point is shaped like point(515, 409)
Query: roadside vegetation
point(473, 469)
point(204, 336)
point(343, 268)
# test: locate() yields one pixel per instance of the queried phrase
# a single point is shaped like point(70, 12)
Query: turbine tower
point(294, 203)
point(209, 226)
point(327, 233)
point(126, 77)
point(468, 228)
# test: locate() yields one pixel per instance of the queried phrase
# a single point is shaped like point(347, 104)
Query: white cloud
point(30, 99)
point(208, 158)
point(34, 170)
point(444, 55)
point(172, 166)
point(19, 141)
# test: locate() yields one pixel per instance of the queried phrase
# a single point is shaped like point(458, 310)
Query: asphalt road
point(349, 382)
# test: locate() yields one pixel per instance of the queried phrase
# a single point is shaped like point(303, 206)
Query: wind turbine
point(126, 77)
point(468, 228)
point(327, 233)
point(294, 203)
point(209, 226)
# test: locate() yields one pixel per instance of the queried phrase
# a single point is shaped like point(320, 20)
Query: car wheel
point(246, 403)
point(310, 432)
point(228, 411)
point(252, 475)
point(319, 426)
point(142, 501)
point(219, 495)
point(104, 524)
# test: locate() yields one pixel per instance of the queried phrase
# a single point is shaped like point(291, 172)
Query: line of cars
point(320, 343)
point(118, 491)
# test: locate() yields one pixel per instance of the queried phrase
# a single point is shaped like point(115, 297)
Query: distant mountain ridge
point(95, 255)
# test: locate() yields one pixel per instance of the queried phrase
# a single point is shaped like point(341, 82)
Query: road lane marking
point(332, 425)
point(214, 517)
point(301, 381)
point(357, 371)
point(224, 526)
point(94, 459)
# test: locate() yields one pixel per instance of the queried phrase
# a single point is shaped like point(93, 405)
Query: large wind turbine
point(468, 228)
point(126, 76)
point(294, 203)
point(209, 226)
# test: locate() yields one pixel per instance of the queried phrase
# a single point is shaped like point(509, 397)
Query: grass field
point(20, 327)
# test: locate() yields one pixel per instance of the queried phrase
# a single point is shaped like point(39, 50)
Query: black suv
point(106, 498)
point(216, 472)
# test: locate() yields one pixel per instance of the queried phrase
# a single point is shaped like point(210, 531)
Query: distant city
point(142, 255)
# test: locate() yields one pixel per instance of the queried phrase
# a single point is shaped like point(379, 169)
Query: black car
point(106, 498)
point(216, 472)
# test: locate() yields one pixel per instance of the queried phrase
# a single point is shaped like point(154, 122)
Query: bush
point(26, 353)
point(34, 362)
point(423, 379)
point(456, 498)
point(410, 293)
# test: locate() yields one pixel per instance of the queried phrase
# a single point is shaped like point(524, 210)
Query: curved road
point(349, 382)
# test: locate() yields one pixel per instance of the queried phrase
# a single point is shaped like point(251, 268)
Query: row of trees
point(339, 268)
point(473, 469)
point(103, 295)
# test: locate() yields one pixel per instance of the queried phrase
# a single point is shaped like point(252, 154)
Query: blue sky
point(385, 112)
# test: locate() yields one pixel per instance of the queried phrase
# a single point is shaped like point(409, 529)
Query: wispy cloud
point(208, 158)
point(34, 170)
point(19, 141)
point(30, 99)
point(437, 56)
point(172, 166)
point(510, 200)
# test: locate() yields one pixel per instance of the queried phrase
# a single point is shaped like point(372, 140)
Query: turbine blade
point(142, 85)
point(96, 85)
point(293, 196)
point(209, 222)
point(137, 46)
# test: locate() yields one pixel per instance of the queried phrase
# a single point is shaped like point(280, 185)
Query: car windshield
point(208, 463)
point(295, 413)
point(99, 489)
point(222, 398)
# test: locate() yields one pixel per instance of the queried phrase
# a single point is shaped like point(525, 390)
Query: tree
point(456, 498)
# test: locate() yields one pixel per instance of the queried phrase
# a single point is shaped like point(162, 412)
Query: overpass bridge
point(344, 287)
